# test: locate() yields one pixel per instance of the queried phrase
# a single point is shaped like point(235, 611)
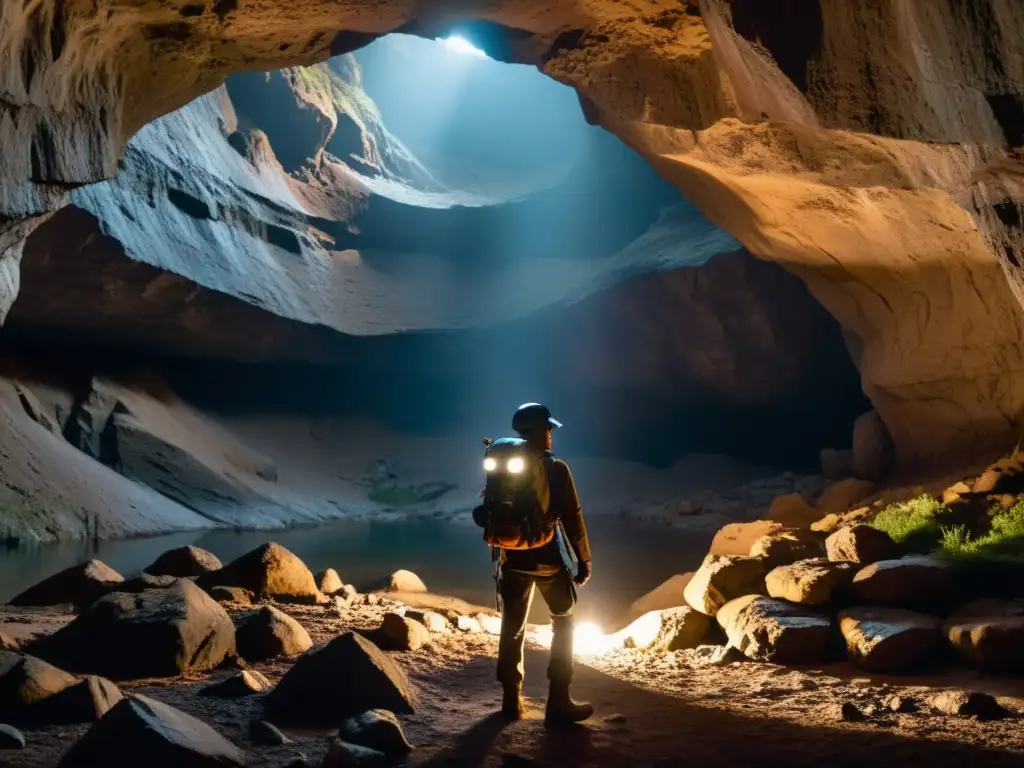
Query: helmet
point(530, 416)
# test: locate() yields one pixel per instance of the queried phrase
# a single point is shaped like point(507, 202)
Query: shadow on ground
point(637, 727)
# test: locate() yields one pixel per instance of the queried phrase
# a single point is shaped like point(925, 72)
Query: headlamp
point(490, 464)
point(516, 465)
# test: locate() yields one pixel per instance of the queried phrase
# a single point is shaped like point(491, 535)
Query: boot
point(512, 701)
point(561, 709)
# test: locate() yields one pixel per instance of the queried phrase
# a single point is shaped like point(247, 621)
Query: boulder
point(399, 581)
point(828, 524)
point(269, 633)
point(11, 738)
point(844, 495)
point(400, 633)
point(434, 622)
point(232, 595)
point(989, 635)
point(889, 640)
point(329, 582)
point(269, 571)
point(377, 729)
point(247, 682)
point(721, 579)
point(915, 581)
point(738, 538)
point(80, 585)
point(25, 682)
point(346, 677)
point(185, 562)
point(84, 702)
point(810, 582)
point(787, 547)
point(143, 731)
point(145, 581)
point(873, 449)
point(792, 511)
point(678, 629)
point(344, 755)
point(861, 544)
point(767, 629)
point(967, 704)
point(955, 492)
point(156, 633)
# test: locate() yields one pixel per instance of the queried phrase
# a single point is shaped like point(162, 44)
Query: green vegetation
point(924, 525)
point(322, 80)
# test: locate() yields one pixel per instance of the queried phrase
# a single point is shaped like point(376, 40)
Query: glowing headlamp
point(516, 465)
point(490, 464)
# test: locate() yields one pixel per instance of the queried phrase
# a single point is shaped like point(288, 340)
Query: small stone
point(399, 581)
point(269, 633)
point(377, 729)
point(716, 656)
point(899, 704)
point(347, 593)
point(398, 633)
point(267, 734)
point(8, 643)
point(435, 622)
point(371, 599)
point(616, 718)
point(11, 737)
point(245, 683)
point(468, 624)
point(329, 582)
point(968, 704)
point(345, 755)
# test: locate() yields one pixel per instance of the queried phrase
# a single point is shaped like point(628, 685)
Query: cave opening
point(420, 235)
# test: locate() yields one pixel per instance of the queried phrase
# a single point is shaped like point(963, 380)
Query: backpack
point(517, 496)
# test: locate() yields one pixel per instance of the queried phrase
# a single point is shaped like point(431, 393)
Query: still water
point(630, 558)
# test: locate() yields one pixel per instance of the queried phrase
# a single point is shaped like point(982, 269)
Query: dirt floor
point(652, 709)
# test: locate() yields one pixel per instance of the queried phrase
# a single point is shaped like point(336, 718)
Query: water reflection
point(630, 558)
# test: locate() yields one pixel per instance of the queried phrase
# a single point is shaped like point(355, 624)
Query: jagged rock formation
point(884, 177)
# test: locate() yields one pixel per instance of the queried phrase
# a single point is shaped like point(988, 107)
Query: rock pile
point(798, 594)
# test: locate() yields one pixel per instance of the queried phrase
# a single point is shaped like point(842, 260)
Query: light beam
point(461, 45)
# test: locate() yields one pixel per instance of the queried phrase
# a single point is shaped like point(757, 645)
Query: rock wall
point(868, 148)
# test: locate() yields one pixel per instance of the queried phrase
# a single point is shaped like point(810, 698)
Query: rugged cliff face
point(868, 148)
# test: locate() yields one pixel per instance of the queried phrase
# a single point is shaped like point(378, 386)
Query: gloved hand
point(582, 573)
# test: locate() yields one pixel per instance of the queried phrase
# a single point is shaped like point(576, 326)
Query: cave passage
point(490, 247)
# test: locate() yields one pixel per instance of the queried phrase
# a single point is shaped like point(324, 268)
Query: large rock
point(269, 571)
point(916, 581)
point(143, 731)
point(156, 633)
point(80, 585)
point(773, 630)
point(677, 629)
point(873, 450)
point(232, 595)
point(145, 581)
point(26, 681)
point(399, 581)
point(346, 677)
point(433, 621)
point(269, 633)
point(738, 538)
point(809, 582)
point(861, 544)
point(400, 633)
point(989, 635)
point(844, 495)
point(185, 562)
point(721, 579)
point(85, 702)
point(792, 511)
point(787, 547)
point(377, 729)
point(889, 640)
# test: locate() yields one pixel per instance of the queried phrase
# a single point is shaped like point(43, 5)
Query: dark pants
point(559, 593)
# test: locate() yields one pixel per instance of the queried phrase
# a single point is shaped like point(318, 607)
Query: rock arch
point(877, 165)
